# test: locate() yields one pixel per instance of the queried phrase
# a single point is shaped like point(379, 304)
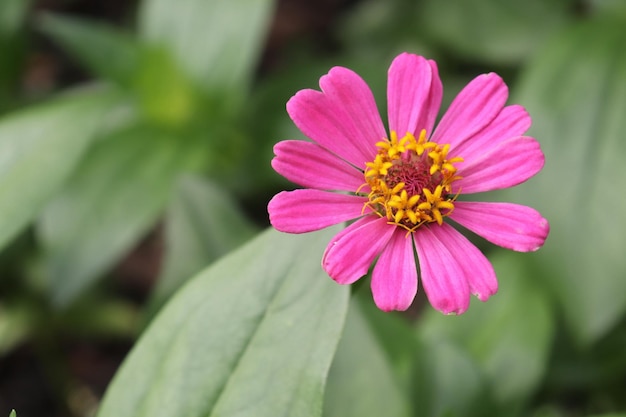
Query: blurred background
point(135, 141)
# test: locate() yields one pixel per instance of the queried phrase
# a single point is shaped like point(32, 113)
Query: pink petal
point(312, 166)
point(443, 276)
point(302, 211)
point(511, 122)
point(351, 252)
point(408, 93)
point(472, 110)
point(343, 118)
point(509, 163)
point(434, 101)
point(394, 279)
point(511, 226)
point(477, 269)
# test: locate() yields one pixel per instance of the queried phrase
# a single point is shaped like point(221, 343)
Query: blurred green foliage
point(173, 135)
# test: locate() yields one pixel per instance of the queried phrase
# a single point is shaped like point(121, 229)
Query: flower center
point(410, 181)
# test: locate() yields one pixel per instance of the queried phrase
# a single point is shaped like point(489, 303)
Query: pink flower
point(400, 188)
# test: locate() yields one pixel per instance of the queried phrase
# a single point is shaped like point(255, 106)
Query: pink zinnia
point(400, 188)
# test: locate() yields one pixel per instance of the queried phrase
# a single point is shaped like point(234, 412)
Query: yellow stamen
point(410, 181)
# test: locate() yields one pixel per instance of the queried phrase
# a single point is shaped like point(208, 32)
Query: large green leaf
point(253, 335)
point(203, 223)
point(216, 42)
point(361, 382)
point(575, 90)
point(494, 30)
point(39, 147)
point(509, 336)
point(112, 199)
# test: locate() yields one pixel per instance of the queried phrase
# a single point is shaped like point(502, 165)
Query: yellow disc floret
point(410, 181)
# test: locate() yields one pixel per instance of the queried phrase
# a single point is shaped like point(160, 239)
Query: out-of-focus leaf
point(509, 336)
point(39, 148)
point(216, 42)
point(372, 39)
point(106, 51)
point(12, 14)
point(112, 199)
point(608, 7)
point(164, 92)
point(394, 334)
point(15, 324)
point(13, 414)
point(448, 382)
point(597, 371)
point(498, 31)
point(253, 335)
point(203, 223)
point(361, 382)
point(12, 47)
point(95, 316)
point(610, 415)
point(575, 90)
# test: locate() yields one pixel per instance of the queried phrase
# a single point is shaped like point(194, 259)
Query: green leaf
point(498, 31)
point(106, 51)
point(203, 223)
point(394, 334)
point(39, 148)
point(361, 382)
point(13, 414)
point(575, 90)
point(608, 7)
point(113, 198)
point(16, 322)
point(610, 415)
point(216, 42)
point(448, 382)
point(253, 335)
point(509, 336)
point(12, 14)
point(165, 94)
point(12, 48)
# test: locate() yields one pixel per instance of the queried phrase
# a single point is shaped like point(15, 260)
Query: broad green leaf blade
point(39, 147)
point(203, 223)
point(503, 32)
point(575, 91)
point(217, 42)
point(253, 335)
point(113, 198)
point(361, 382)
point(106, 51)
point(509, 336)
